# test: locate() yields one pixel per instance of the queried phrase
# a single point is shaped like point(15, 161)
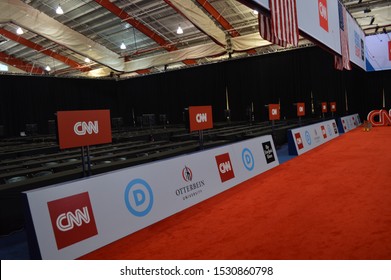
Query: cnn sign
point(83, 128)
point(379, 117)
point(200, 117)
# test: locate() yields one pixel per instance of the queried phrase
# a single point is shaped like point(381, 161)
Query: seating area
point(36, 161)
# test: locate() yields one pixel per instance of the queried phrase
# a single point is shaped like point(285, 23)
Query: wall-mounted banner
point(303, 139)
point(74, 218)
point(333, 106)
point(356, 42)
point(379, 117)
point(324, 107)
point(200, 117)
point(378, 52)
point(274, 112)
point(300, 109)
point(83, 128)
point(348, 123)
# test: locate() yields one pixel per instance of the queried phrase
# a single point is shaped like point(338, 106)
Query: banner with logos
point(348, 123)
point(356, 42)
point(83, 128)
point(305, 138)
point(72, 219)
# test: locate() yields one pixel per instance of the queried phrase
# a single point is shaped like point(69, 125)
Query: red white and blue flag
point(282, 27)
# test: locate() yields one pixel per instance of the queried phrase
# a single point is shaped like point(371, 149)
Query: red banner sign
point(333, 106)
point(274, 112)
point(83, 128)
point(300, 109)
point(389, 50)
point(323, 15)
point(200, 117)
point(324, 107)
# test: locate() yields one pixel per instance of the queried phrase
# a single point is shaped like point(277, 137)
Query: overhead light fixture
point(59, 10)
point(87, 60)
point(255, 12)
point(123, 46)
point(19, 31)
point(179, 30)
point(47, 68)
point(372, 20)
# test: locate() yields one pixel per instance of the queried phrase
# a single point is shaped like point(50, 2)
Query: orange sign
point(333, 106)
point(200, 117)
point(323, 15)
point(274, 112)
point(300, 109)
point(83, 128)
point(324, 107)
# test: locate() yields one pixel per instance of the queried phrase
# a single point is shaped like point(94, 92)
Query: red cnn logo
point(300, 109)
point(83, 128)
point(299, 141)
point(324, 107)
point(72, 219)
point(323, 14)
point(389, 50)
point(333, 106)
point(225, 167)
point(200, 117)
point(324, 133)
point(274, 112)
point(379, 117)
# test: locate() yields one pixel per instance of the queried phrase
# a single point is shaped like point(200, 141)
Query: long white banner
point(348, 123)
point(303, 139)
point(75, 218)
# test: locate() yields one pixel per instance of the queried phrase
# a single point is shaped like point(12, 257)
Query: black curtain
point(285, 77)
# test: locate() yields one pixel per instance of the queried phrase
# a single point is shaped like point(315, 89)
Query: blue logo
point(248, 159)
point(308, 137)
point(329, 130)
point(138, 197)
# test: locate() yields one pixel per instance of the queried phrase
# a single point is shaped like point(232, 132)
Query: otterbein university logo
point(72, 219)
point(225, 167)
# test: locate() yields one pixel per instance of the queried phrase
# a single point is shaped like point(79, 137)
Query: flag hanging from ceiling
point(344, 62)
point(282, 27)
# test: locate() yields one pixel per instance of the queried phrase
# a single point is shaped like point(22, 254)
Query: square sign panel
point(83, 128)
point(200, 117)
point(300, 109)
point(274, 112)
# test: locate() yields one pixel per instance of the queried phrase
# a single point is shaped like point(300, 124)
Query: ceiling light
point(47, 68)
point(255, 12)
point(123, 47)
point(19, 31)
point(179, 30)
point(59, 10)
point(87, 60)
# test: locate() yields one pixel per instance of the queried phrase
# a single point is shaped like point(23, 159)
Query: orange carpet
point(333, 202)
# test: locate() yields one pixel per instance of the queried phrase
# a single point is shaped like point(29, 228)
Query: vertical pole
point(201, 138)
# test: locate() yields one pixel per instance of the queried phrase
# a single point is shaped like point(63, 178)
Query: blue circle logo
point(248, 159)
point(138, 197)
point(308, 137)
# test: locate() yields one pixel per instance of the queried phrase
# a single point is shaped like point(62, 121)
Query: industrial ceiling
point(85, 40)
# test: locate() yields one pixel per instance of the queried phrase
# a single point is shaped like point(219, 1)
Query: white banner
point(348, 123)
point(303, 139)
point(356, 43)
point(75, 218)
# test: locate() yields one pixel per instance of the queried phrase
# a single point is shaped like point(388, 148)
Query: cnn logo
point(225, 168)
point(202, 118)
point(83, 128)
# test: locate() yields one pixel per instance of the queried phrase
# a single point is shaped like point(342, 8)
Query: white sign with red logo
point(348, 123)
point(72, 219)
point(305, 138)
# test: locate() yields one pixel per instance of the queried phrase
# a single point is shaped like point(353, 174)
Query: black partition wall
point(285, 77)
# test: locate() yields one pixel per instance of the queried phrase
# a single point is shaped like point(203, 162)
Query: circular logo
point(187, 174)
point(248, 159)
point(308, 137)
point(329, 130)
point(138, 197)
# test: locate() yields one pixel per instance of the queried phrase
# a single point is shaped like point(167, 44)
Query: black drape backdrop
point(287, 77)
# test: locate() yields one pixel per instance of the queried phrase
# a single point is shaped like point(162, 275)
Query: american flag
point(344, 62)
point(282, 27)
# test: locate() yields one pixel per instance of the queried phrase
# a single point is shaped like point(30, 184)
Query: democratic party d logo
point(248, 159)
point(72, 219)
point(138, 197)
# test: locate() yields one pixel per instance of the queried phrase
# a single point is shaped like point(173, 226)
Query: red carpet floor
point(332, 203)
